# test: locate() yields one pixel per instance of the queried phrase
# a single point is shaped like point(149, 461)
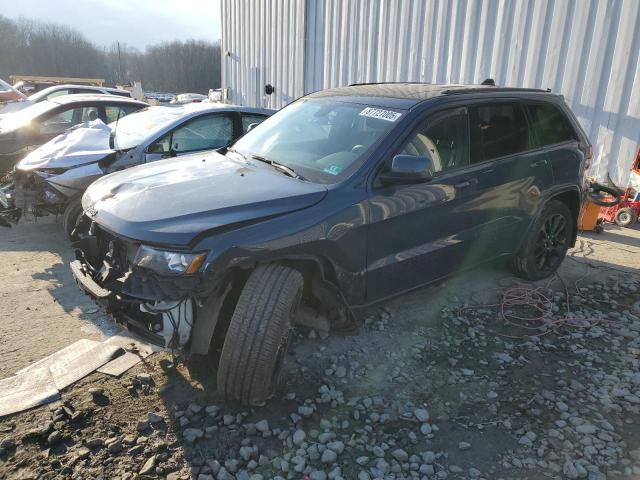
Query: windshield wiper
point(283, 168)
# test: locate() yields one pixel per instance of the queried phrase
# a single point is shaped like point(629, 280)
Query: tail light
point(588, 155)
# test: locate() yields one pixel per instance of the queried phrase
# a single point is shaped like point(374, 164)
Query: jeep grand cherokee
point(344, 198)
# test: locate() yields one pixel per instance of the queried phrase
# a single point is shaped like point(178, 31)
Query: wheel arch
point(213, 315)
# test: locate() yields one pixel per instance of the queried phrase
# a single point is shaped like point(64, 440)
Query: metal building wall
point(263, 43)
point(585, 49)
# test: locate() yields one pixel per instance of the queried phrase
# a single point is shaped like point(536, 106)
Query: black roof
point(406, 95)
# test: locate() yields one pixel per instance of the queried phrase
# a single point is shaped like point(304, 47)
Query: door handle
point(466, 183)
point(539, 163)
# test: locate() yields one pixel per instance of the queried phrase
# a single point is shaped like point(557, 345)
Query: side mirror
point(252, 126)
point(408, 169)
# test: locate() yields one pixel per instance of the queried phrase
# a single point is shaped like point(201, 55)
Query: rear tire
point(70, 216)
point(258, 335)
point(625, 217)
point(546, 244)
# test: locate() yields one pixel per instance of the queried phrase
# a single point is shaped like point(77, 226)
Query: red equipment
point(627, 211)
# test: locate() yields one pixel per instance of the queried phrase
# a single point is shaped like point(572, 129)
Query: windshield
point(22, 117)
point(135, 128)
point(324, 140)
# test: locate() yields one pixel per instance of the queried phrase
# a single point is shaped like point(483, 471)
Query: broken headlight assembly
point(168, 263)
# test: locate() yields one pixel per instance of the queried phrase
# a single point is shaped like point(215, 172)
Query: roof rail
point(390, 83)
point(484, 89)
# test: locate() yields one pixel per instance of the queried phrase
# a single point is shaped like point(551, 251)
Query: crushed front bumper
point(123, 313)
point(159, 308)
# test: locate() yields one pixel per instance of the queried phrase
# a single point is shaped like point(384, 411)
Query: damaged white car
point(52, 178)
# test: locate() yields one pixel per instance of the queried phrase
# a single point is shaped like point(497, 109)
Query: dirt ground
point(438, 384)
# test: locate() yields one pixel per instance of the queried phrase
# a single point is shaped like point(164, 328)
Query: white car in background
point(52, 178)
point(184, 98)
point(57, 91)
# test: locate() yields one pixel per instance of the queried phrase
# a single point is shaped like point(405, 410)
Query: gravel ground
point(451, 381)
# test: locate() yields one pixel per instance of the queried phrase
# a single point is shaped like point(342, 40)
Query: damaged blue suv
point(344, 198)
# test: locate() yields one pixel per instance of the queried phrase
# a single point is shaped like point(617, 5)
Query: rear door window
point(498, 130)
point(550, 124)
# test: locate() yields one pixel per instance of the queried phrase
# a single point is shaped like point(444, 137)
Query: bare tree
point(35, 48)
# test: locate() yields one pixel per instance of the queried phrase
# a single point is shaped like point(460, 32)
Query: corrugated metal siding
point(587, 50)
point(263, 43)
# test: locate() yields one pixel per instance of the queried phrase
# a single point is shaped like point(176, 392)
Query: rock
point(231, 465)
point(298, 437)
point(54, 437)
point(464, 445)
point(262, 426)
point(329, 456)
point(223, 474)
point(7, 443)
point(212, 410)
point(426, 429)
point(154, 418)
point(426, 469)
point(337, 447)
point(192, 434)
point(245, 453)
point(400, 455)
point(205, 476)
point(149, 466)
point(95, 442)
point(318, 475)
point(586, 428)
point(115, 447)
point(305, 411)
point(422, 415)
point(82, 453)
point(142, 425)
point(569, 469)
point(144, 378)
point(341, 372)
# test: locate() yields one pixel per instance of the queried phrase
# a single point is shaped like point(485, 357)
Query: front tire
point(258, 335)
point(70, 216)
point(547, 243)
point(625, 217)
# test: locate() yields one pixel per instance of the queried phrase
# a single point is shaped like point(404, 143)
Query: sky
point(137, 23)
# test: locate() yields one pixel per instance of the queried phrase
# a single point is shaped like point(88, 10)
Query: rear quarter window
point(550, 124)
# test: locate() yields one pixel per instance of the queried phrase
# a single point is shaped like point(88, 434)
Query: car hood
point(82, 144)
point(170, 202)
point(16, 106)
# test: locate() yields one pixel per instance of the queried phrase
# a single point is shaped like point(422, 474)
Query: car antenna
point(112, 135)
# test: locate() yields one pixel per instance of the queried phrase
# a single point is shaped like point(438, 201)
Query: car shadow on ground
point(40, 247)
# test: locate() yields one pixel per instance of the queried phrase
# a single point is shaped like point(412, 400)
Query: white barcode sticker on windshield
point(388, 115)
